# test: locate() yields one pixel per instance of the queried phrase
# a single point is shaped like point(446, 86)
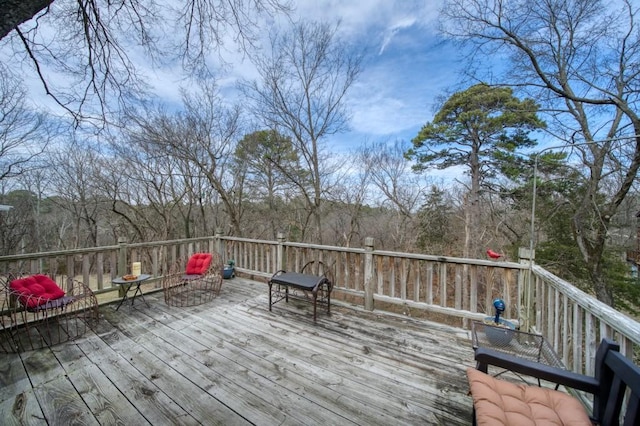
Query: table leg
point(270, 285)
point(139, 291)
point(126, 291)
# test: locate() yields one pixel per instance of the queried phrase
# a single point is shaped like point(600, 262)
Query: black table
point(304, 282)
point(533, 347)
point(529, 346)
point(126, 286)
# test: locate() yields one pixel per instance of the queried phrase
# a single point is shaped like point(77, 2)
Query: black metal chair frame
point(315, 278)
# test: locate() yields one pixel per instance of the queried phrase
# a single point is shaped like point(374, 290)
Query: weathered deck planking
point(353, 366)
point(311, 384)
point(232, 362)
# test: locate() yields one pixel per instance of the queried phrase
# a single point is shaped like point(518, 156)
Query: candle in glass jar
point(136, 268)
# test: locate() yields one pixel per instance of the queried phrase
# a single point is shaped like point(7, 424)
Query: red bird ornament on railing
point(492, 254)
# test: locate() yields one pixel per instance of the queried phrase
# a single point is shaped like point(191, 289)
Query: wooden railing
point(446, 289)
point(462, 289)
point(97, 266)
point(574, 322)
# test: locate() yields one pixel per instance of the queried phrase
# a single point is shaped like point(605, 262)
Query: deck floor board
point(233, 362)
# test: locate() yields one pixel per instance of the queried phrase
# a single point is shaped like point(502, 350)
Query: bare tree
point(17, 224)
point(351, 197)
point(301, 92)
point(579, 58)
point(24, 133)
point(38, 183)
point(147, 194)
point(202, 139)
point(397, 188)
point(73, 174)
point(92, 41)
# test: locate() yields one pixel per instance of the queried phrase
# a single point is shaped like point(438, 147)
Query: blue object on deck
point(499, 334)
point(498, 304)
point(229, 272)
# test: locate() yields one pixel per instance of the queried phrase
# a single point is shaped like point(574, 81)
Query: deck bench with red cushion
point(193, 281)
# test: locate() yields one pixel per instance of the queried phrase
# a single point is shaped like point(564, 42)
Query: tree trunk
point(466, 251)
point(473, 206)
point(600, 287)
point(16, 12)
point(593, 251)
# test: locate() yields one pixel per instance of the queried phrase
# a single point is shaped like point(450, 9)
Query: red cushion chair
point(41, 314)
point(198, 282)
point(198, 264)
point(36, 290)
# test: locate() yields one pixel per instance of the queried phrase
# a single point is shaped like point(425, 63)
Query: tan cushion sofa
point(498, 402)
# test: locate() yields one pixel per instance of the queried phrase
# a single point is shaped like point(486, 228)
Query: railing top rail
point(169, 242)
point(248, 240)
point(447, 259)
point(619, 321)
point(432, 258)
point(323, 247)
point(38, 255)
point(85, 250)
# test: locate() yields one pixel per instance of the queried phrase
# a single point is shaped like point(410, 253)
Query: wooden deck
point(232, 362)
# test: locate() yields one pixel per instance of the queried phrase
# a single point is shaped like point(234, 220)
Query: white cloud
point(397, 91)
point(402, 74)
point(393, 30)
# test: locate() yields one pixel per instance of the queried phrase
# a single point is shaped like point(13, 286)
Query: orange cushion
point(36, 290)
point(498, 402)
point(198, 264)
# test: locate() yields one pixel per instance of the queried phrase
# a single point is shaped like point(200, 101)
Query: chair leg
point(315, 303)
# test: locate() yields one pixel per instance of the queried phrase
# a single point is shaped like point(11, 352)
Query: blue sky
point(404, 70)
point(405, 67)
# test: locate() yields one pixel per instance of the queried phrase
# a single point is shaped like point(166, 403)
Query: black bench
point(614, 375)
point(307, 282)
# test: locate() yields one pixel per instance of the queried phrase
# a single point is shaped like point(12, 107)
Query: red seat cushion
point(36, 290)
point(198, 264)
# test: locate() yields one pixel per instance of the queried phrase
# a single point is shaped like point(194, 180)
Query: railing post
point(525, 289)
point(70, 272)
point(122, 261)
point(219, 243)
point(280, 252)
point(368, 274)
point(122, 256)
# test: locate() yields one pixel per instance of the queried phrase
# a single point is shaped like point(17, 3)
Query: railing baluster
point(458, 287)
point(430, 283)
point(443, 284)
point(572, 321)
